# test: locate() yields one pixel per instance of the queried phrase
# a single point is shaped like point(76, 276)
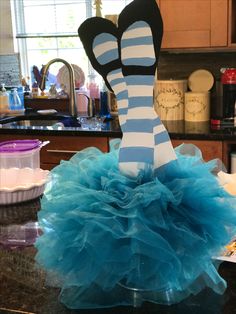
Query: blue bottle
point(14, 100)
point(104, 104)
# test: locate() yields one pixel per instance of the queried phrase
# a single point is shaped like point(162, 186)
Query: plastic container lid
point(19, 146)
point(200, 81)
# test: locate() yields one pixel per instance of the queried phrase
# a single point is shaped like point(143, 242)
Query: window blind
point(50, 18)
point(46, 29)
point(58, 18)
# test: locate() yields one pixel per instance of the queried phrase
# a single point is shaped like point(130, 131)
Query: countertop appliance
point(228, 80)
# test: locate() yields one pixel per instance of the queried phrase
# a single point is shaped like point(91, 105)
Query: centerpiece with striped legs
point(143, 221)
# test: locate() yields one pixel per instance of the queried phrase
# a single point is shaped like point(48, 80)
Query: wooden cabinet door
point(210, 149)
point(194, 23)
point(64, 147)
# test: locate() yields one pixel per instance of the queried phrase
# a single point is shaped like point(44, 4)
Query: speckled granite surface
point(23, 288)
point(177, 129)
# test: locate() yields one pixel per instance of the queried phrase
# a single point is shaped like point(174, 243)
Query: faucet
point(72, 100)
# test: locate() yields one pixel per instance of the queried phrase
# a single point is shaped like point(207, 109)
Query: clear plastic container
point(14, 100)
point(20, 154)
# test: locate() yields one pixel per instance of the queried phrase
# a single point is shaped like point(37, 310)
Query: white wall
point(6, 32)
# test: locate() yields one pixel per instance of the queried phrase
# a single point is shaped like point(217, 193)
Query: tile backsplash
point(10, 73)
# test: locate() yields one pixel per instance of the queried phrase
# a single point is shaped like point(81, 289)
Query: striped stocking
point(145, 141)
point(100, 39)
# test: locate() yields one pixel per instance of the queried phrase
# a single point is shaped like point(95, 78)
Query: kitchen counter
point(23, 288)
point(68, 136)
point(45, 126)
point(177, 129)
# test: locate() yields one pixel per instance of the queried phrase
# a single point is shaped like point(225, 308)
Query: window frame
point(22, 36)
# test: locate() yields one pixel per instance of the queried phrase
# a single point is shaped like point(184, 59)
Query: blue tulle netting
point(114, 240)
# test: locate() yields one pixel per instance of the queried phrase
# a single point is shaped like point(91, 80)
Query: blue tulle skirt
point(114, 240)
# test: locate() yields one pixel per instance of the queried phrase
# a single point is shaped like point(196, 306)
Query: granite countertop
point(23, 288)
point(32, 123)
point(110, 128)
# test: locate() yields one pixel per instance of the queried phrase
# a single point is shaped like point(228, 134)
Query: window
point(47, 29)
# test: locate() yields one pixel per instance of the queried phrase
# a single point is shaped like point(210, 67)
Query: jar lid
point(19, 146)
point(200, 81)
point(228, 76)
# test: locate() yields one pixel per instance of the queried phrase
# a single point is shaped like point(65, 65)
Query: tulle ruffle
point(114, 240)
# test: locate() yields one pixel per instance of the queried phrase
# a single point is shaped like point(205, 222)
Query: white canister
point(169, 99)
point(197, 106)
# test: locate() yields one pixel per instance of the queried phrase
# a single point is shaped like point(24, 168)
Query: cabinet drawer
point(63, 148)
point(47, 166)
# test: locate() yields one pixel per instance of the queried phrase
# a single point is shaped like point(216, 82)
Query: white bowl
point(21, 184)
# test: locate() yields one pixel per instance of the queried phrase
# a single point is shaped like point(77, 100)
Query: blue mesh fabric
point(114, 240)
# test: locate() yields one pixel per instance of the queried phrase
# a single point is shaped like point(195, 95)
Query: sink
point(33, 123)
point(38, 120)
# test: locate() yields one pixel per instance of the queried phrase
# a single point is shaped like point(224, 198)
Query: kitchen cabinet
point(232, 23)
point(61, 147)
point(210, 149)
point(64, 147)
point(195, 23)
